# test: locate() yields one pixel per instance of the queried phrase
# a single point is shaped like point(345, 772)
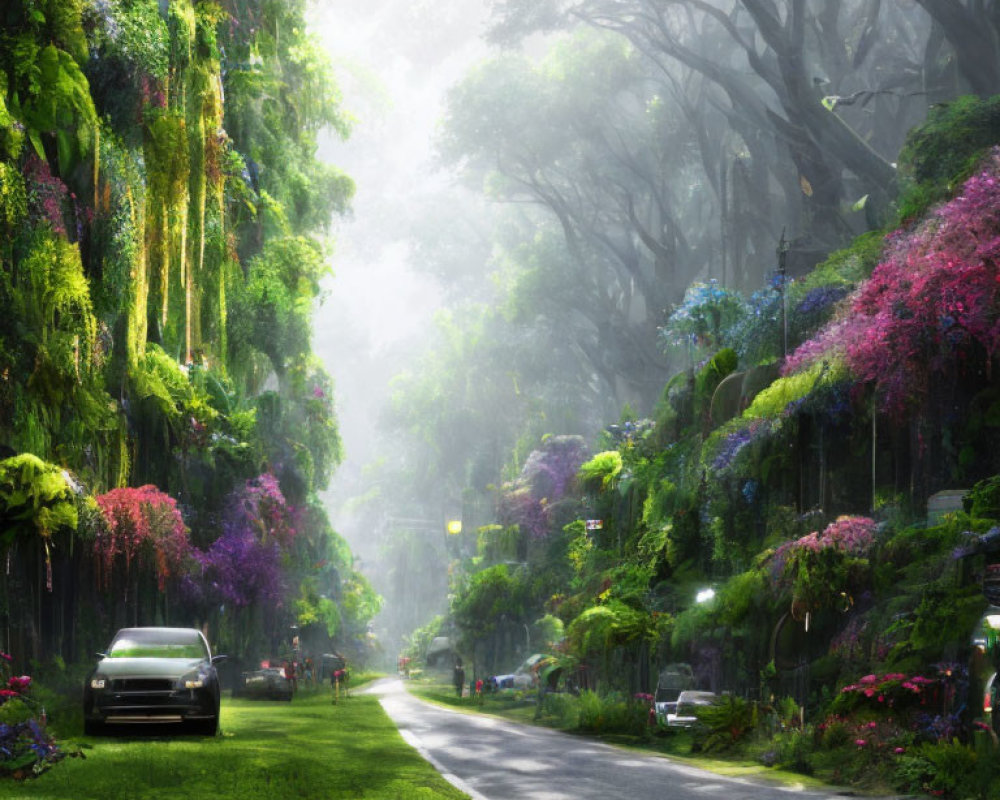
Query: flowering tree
point(260, 509)
point(142, 525)
point(243, 565)
point(545, 479)
point(248, 566)
point(239, 569)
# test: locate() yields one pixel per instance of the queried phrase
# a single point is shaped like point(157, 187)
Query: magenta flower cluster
point(851, 535)
point(928, 306)
point(49, 195)
point(890, 688)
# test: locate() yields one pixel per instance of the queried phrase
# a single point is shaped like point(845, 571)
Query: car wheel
point(205, 727)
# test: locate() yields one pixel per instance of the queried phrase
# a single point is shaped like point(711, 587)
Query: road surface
point(492, 759)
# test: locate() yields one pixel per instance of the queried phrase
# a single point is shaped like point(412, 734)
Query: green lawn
point(309, 748)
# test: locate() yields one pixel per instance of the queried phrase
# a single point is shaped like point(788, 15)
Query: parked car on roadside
point(154, 675)
point(673, 679)
point(266, 683)
point(512, 680)
point(665, 702)
point(685, 712)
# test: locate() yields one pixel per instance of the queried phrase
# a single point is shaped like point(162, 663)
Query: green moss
point(846, 267)
point(940, 154)
point(775, 399)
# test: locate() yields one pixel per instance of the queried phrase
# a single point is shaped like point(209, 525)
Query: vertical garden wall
point(164, 425)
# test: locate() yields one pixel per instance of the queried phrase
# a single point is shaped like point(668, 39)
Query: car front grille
point(142, 685)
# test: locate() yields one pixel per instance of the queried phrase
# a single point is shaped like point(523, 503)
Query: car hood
point(148, 667)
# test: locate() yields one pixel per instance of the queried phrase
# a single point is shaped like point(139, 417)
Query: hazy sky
point(394, 60)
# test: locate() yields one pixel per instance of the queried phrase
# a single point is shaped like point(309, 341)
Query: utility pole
point(783, 277)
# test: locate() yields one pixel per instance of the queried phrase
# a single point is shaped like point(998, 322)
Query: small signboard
point(595, 524)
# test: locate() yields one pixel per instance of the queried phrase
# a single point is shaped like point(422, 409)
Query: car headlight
point(98, 682)
point(193, 680)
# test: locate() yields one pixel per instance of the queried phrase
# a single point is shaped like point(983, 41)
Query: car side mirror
point(218, 659)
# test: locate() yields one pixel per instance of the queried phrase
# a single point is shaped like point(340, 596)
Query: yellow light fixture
point(454, 526)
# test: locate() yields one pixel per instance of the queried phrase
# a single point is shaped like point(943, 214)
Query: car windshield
point(158, 644)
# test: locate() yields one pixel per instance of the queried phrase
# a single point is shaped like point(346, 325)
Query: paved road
point(492, 759)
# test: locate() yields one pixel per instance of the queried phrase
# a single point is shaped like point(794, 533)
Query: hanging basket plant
point(824, 570)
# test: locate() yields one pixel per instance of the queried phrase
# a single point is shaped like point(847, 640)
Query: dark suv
point(154, 675)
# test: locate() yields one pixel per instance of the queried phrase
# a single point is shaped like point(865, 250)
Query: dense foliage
point(771, 522)
point(164, 423)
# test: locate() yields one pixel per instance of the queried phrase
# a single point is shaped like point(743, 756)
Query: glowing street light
point(454, 527)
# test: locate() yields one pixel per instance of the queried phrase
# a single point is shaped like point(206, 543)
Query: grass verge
point(309, 748)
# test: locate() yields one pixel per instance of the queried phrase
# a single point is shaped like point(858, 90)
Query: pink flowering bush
point(822, 570)
point(142, 524)
point(870, 745)
point(891, 690)
point(931, 308)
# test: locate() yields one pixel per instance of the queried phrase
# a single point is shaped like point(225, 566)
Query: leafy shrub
point(945, 768)
point(612, 714)
point(15, 711)
point(983, 499)
point(58, 688)
point(834, 732)
point(602, 471)
point(791, 750)
point(564, 707)
point(725, 723)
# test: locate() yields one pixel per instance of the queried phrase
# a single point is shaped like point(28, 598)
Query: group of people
point(296, 671)
point(305, 672)
point(476, 687)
